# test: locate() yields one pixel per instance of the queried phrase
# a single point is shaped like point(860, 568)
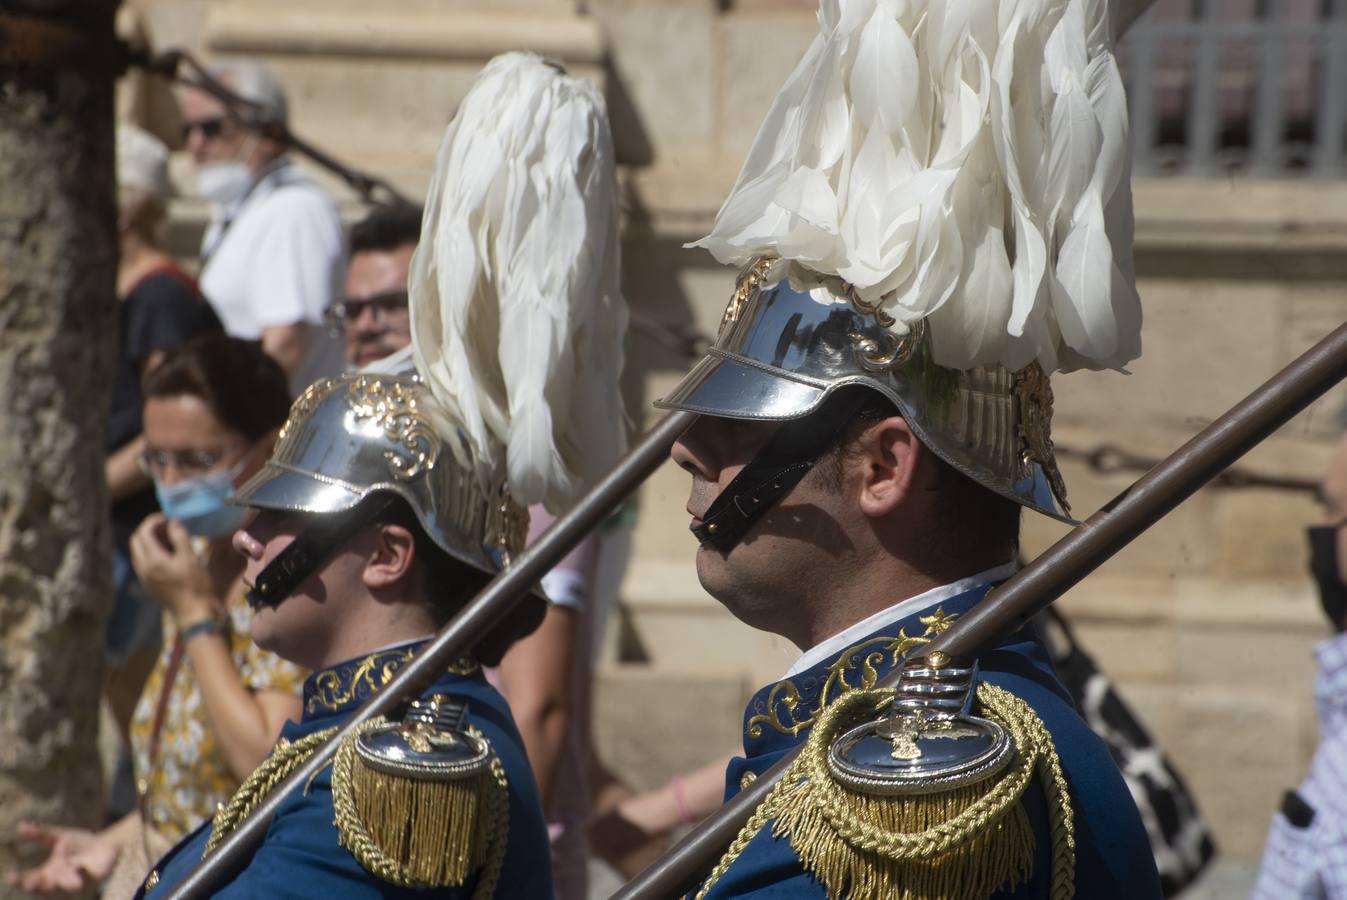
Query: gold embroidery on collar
point(331, 691)
point(861, 658)
point(464, 665)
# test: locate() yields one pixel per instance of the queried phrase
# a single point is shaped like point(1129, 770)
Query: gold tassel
point(421, 832)
point(958, 844)
point(1002, 852)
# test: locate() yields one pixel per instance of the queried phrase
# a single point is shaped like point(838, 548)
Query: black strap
point(1299, 813)
point(777, 468)
point(308, 550)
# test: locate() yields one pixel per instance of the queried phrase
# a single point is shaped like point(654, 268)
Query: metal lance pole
point(489, 607)
point(1049, 576)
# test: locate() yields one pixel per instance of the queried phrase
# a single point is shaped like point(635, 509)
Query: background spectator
point(160, 309)
point(273, 255)
point(214, 703)
point(373, 317)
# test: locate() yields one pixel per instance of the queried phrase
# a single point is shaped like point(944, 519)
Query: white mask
point(223, 182)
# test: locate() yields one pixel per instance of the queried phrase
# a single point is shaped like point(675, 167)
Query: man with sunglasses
point(273, 254)
point(372, 320)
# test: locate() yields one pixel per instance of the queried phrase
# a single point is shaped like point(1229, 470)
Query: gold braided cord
point(450, 813)
point(284, 759)
point(960, 843)
point(764, 814)
point(1062, 816)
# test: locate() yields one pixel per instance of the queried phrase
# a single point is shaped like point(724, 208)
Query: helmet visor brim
point(282, 488)
point(730, 386)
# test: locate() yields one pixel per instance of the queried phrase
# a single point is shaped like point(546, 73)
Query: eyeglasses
point(386, 308)
point(209, 128)
point(155, 462)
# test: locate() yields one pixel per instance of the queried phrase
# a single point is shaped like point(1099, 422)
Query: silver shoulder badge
point(915, 791)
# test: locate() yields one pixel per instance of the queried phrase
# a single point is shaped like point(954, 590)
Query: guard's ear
point(390, 561)
point(886, 456)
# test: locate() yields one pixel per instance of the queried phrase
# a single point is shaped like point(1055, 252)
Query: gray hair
point(253, 81)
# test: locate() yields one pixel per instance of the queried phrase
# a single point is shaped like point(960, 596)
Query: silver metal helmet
point(781, 352)
point(350, 436)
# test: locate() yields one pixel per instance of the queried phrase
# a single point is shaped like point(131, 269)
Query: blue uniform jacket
point(300, 856)
point(1113, 856)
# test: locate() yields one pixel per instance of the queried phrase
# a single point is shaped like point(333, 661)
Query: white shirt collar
point(900, 610)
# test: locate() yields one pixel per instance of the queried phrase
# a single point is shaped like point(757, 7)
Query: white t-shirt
point(276, 258)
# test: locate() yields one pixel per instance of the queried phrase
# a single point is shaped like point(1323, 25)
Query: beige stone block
point(404, 108)
point(651, 724)
point(1107, 598)
point(1240, 215)
point(1178, 544)
point(686, 632)
point(1128, 652)
point(1232, 748)
point(1247, 659)
point(1316, 309)
point(426, 30)
point(1153, 703)
point(679, 198)
point(760, 48)
point(176, 23)
point(1206, 344)
point(1261, 533)
point(664, 57)
point(1273, 605)
point(776, 6)
point(376, 92)
point(683, 288)
point(1289, 453)
point(662, 518)
point(710, 290)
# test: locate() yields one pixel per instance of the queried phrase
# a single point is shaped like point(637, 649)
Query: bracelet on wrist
point(214, 625)
point(680, 804)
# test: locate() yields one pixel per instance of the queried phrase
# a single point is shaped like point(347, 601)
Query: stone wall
point(1237, 278)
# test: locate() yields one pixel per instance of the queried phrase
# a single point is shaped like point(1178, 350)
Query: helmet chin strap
point(775, 470)
point(310, 548)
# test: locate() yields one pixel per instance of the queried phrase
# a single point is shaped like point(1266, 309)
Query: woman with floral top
point(214, 704)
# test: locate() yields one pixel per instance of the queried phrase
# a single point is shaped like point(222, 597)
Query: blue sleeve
point(1113, 854)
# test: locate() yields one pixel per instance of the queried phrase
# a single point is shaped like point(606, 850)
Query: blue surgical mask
point(201, 503)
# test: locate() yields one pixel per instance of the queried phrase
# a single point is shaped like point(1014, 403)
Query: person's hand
point(78, 859)
point(169, 570)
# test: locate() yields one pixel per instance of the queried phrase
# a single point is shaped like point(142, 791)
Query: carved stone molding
point(454, 35)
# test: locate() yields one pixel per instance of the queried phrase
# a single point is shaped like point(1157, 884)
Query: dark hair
point(243, 387)
point(986, 518)
point(386, 228)
point(450, 584)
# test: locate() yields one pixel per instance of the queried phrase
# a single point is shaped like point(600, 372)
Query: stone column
point(58, 259)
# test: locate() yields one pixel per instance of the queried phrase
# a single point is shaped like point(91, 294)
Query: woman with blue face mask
point(214, 703)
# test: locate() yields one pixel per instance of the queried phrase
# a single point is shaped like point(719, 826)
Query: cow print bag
point(1179, 837)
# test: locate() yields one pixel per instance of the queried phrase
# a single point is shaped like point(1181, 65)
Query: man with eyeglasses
point(372, 320)
point(273, 254)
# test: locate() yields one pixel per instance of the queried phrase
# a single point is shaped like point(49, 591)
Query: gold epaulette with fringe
point(431, 813)
point(959, 842)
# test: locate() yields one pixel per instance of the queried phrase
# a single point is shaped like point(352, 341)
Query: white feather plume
point(516, 310)
point(961, 161)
